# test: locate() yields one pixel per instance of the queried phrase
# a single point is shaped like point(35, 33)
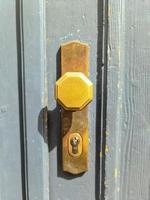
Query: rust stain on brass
point(75, 122)
point(74, 58)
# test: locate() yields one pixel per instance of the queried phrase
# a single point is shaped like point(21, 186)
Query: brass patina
point(73, 92)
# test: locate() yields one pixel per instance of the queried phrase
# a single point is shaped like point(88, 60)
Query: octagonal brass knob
point(74, 91)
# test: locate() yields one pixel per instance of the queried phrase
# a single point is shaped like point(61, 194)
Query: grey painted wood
point(35, 87)
point(10, 154)
point(46, 25)
point(128, 108)
point(65, 21)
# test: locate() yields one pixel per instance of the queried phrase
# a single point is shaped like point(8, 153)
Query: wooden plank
point(65, 21)
point(10, 153)
point(128, 108)
point(36, 99)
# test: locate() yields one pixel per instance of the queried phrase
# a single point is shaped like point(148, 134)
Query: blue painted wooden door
point(31, 32)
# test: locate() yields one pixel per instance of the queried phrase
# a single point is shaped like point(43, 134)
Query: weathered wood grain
point(128, 108)
point(36, 98)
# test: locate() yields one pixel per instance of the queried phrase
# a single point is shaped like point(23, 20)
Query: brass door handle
point(74, 91)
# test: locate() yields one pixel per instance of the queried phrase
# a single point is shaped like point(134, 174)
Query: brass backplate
point(74, 58)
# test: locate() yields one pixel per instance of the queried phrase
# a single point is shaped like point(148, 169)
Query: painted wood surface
point(128, 108)
point(10, 152)
point(46, 25)
point(33, 25)
point(65, 21)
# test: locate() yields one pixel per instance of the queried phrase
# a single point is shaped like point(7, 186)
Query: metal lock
point(75, 144)
point(74, 91)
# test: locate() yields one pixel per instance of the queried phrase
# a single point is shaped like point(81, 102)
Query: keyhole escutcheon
point(75, 144)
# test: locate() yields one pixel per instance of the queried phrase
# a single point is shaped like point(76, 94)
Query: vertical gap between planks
point(101, 91)
point(104, 95)
point(22, 102)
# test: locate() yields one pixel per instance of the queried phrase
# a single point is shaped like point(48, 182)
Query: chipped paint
point(116, 173)
point(46, 90)
point(106, 149)
point(101, 154)
point(118, 189)
point(109, 10)
point(66, 37)
point(3, 111)
point(119, 52)
point(107, 133)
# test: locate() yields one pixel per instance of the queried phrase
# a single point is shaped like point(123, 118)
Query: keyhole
point(75, 142)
